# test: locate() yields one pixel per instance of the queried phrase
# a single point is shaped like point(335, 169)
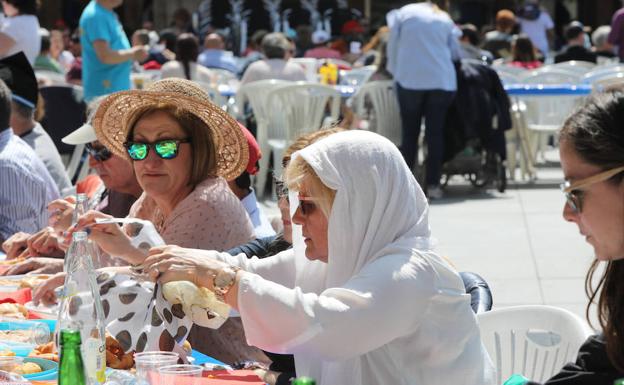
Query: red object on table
point(216, 377)
point(20, 296)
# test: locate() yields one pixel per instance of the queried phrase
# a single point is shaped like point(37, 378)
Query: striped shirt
point(26, 187)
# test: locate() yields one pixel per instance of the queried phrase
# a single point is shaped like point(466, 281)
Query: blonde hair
point(299, 173)
point(307, 139)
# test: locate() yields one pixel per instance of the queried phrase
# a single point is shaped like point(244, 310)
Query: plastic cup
point(147, 362)
point(169, 374)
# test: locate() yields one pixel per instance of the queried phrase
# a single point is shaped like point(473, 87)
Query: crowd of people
point(323, 293)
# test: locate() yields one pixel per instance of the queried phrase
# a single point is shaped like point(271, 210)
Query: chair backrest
point(309, 65)
point(503, 68)
point(608, 82)
point(382, 99)
point(358, 76)
point(255, 93)
point(601, 72)
point(507, 78)
point(576, 66)
point(222, 76)
point(535, 341)
point(214, 94)
point(550, 76)
point(302, 107)
point(50, 78)
point(64, 112)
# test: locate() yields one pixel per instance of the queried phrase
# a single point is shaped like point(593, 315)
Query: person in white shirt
point(19, 31)
point(276, 49)
point(185, 66)
point(537, 24)
point(367, 302)
point(422, 46)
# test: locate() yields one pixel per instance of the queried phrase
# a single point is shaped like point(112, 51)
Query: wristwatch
point(224, 280)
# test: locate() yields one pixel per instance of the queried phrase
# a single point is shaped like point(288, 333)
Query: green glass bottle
point(619, 381)
point(303, 381)
point(71, 368)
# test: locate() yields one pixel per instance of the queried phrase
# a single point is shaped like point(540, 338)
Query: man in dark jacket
point(575, 48)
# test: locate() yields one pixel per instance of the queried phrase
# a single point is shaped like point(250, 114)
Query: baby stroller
point(475, 128)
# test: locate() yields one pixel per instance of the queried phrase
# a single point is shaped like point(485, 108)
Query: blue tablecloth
point(548, 89)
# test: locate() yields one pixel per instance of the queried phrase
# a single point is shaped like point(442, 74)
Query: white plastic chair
point(256, 94)
point(576, 66)
point(517, 71)
point(297, 109)
point(309, 65)
point(608, 82)
point(550, 76)
point(381, 97)
point(358, 76)
point(601, 72)
point(546, 114)
point(50, 78)
point(535, 341)
point(215, 95)
point(507, 78)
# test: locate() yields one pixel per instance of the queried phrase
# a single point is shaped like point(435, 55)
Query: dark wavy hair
point(25, 7)
point(187, 49)
point(596, 133)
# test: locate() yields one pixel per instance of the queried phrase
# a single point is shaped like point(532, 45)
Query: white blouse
point(401, 320)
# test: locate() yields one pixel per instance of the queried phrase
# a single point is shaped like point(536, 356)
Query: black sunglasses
point(101, 154)
point(165, 149)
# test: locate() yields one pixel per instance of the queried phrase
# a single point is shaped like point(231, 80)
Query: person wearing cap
point(241, 187)
point(20, 78)
point(320, 38)
point(575, 48)
point(276, 48)
point(537, 24)
point(106, 53)
point(112, 190)
point(26, 186)
point(19, 29)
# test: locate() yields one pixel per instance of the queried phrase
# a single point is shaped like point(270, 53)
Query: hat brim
point(83, 134)
point(113, 118)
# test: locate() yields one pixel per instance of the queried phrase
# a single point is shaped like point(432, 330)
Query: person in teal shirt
point(106, 53)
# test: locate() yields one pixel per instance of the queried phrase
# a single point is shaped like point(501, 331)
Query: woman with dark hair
point(523, 53)
point(592, 158)
point(19, 31)
point(185, 66)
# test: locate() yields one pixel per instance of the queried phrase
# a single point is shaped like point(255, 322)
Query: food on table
point(45, 351)
point(116, 358)
point(13, 310)
point(27, 368)
point(27, 281)
point(7, 353)
point(16, 335)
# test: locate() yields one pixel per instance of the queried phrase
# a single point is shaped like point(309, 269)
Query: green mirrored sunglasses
point(165, 149)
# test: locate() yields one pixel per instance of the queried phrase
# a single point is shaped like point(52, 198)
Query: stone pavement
point(518, 241)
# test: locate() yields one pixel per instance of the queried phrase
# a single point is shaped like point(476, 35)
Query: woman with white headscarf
point(370, 304)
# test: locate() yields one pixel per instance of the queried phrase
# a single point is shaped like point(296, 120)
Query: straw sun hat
point(115, 114)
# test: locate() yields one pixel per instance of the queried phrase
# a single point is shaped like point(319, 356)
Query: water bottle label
point(95, 359)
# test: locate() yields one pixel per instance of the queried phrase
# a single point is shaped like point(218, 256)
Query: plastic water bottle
point(82, 206)
point(81, 308)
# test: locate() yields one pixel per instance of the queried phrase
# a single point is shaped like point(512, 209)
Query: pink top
point(322, 53)
point(211, 217)
point(529, 65)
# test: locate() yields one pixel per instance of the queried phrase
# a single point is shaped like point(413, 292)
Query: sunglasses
point(101, 154)
point(307, 205)
point(574, 191)
point(165, 149)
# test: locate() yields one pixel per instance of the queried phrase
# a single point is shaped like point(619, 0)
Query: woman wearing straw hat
point(183, 148)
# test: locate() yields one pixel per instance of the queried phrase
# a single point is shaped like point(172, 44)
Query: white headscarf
point(379, 208)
